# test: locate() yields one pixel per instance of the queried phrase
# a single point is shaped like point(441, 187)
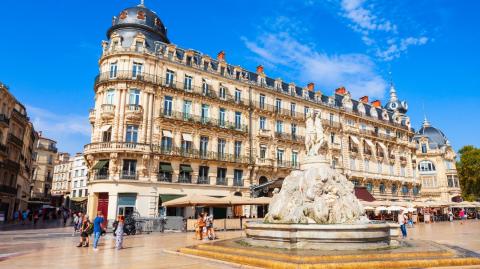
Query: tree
point(469, 172)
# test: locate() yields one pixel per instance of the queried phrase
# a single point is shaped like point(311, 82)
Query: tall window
point(263, 152)
point(263, 123)
point(369, 186)
point(278, 105)
point(136, 70)
point(221, 148)
point(107, 135)
point(187, 109)
point(186, 146)
point(262, 101)
point(279, 126)
point(110, 97)
point(113, 70)
point(221, 174)
point(203, 146)
point(222, 93)
point(238, 120)
point(352, 164)
point(132, 134)
point(237, 149)
point(367, 165)
point(332, 138)
point(238, 95)
point(204, 116)
point(129, 169)
point(305, 110)
point(203, 175)
point(221, 117)
point(331, 118)
point(381, 188)
point(294, 130)
point(238, 177)
point(166, 143)
point(170, 77)
point(167, 106)
point(204, 87)
point(134, 97)
point(280, 153)
point(187, 82)
point(426, 166)
point(293, 109)
point(294, 158)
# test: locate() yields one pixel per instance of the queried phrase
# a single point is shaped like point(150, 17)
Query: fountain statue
point(317, 193)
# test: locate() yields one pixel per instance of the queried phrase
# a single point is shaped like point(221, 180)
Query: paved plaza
point(55, 247)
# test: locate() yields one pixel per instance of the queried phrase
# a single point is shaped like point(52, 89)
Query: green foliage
point(469, 172)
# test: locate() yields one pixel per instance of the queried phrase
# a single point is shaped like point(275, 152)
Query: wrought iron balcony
point(115, 146)
point(4, 120)
point(205, 121)
point(8, 189)
point(238, 182)
point(15, 140)
point(107, 111)
point(130, 175)
point(184, 179)
point(292, 137)
point(197, 154)
point(222, 181)
point(101, 176)
point(164, 178)
point(203, 180)
point(3, 149)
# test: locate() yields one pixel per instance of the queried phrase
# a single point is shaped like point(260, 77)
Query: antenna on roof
point(426, 123)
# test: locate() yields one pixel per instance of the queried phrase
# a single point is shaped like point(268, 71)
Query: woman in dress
point(119, 233)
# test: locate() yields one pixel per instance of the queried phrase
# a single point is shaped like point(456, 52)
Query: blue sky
point(49, 53)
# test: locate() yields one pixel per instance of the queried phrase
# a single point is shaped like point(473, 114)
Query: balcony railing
point(8, 189)
point(206, 121)
point(197, 154)
point(222, 181)
point(15, 140)
point(3, 149)
point(238, 182)
point(184, 179)
point(164, 178)
point(292, 137)
point(111, 146)
point(130, 175)
point(288, 164)
point(4, 119)
point(203, 180)
point(101, 176)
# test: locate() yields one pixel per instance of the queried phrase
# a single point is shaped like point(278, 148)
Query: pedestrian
point(119, 232)
point(200, 225)
point(450, 215)
point(15, 216)
point(97, 229)
point(65, 216)
point(462, 215)
point(76, 219)
point(210, 229)
point(35, 217)
point(402, 222)
point(86, 229)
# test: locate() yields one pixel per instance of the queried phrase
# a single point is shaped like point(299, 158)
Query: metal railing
point(4, 119)
point(130, 175)
point(222, 181)
point(203, 180)
point(185, 179)
point(164, 178)
point(8, 189)
point(197, 154)
point(287, 136)
point(206, 121)
point(101, 176)
point(3, 149)
point(15, 140)
point(238, 182)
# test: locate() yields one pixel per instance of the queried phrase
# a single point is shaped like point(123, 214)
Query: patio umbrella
point(411, 209)
point(395, 208)
point(193, 200)
point(369, 207)
point(381, 208)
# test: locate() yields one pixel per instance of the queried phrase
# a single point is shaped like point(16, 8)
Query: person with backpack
point(97, 229)
point(86, 230)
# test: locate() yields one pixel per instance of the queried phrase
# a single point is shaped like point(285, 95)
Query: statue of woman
point(310, 133)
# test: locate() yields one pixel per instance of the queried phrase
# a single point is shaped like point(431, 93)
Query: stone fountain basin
point(322, 236)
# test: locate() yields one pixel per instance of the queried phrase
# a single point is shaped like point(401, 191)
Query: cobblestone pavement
point(55, 248)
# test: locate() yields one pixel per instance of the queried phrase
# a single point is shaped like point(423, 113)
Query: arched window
point(416, 190)
point(426, 166)
point(369, 186)
point(381, 188)
point(394, 189)
point(404, 189)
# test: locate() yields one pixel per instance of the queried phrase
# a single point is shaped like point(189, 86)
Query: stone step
point(325, 258)
point(268, 262)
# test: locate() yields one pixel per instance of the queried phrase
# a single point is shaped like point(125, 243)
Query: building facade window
point(263, 123)
point(187, 82)
point(107, 135)
point(136, 70)
point(204, 114)
point(170, 78)
point(238, 96)
point(167, 106)
point(294, 158)
point(263, 152)
point(113, 70)
point(262, 101)
point(280, 153)
point(278, 105)
point(187, 109)
point(221, 148)
point(238, 120)
point(381, 188)
point(221, 117)
point(426, 166)
point(110, 97)
point(203, 146)
point(222, 93)
point(369, 187)
point(424, 148)
point(166, 144)
point(237, 149)
point(134, 97)
point(293, 109)
point(132, 134)
point(129, 169)
point(293, 128)
point(238, 177)
point(279, 126)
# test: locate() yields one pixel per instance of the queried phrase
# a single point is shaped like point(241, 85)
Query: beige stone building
point(61, 182)
point(169, 121)
point(436, 165)
point(45, 156)
point(17, 137)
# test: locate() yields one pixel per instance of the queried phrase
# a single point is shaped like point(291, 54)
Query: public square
point(55, 247)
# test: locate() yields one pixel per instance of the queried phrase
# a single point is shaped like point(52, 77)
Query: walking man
point(402, 222)
point(97, 229)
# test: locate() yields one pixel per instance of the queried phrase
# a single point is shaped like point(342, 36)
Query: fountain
point(317, 208)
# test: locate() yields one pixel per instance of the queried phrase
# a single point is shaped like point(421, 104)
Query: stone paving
point(55, 248)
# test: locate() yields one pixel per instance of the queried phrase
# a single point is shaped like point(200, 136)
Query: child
point(119, 233)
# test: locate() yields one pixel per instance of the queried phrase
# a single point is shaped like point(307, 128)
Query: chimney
point(341, 90)
point(364, 99)
point(311, 86)
point(376, 103)
point(221, 56)
point(260, 69)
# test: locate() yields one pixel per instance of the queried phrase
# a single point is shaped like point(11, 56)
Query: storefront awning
point(169, 197)
point(100, 164)
point(385, 151)
point(355, 139)
point(186, 168)
point(78, 199)
point(187, 137)
point(166, 167)
point(167, 133)
point(106, 128)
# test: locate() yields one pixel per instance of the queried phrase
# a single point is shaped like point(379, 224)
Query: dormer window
point(424, 148)
point(157, 22)
point(123, 15)
point(426, 166)
point(205, 65)
point(141, 15)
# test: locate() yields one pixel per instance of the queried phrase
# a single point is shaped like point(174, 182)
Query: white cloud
point(377, 32)
point(354, 71)
point(70, 131)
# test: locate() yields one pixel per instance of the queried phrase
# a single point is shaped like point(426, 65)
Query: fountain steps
point(274, 259)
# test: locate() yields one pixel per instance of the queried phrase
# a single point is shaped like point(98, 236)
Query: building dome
point(394, 104)
point(436, 138)
point(138, 19)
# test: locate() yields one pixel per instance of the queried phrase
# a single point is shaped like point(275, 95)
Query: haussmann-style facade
point(169, 121)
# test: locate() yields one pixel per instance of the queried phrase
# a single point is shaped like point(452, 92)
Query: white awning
point(105, 128)
point(187, 137)
point(280, 149)
point(167, 133)
point(355, 139)
point(385, 150)
point(370, 144)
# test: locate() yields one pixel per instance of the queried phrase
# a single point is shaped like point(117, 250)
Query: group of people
point(44, 214)
point(86, 228)
point(204, 227)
